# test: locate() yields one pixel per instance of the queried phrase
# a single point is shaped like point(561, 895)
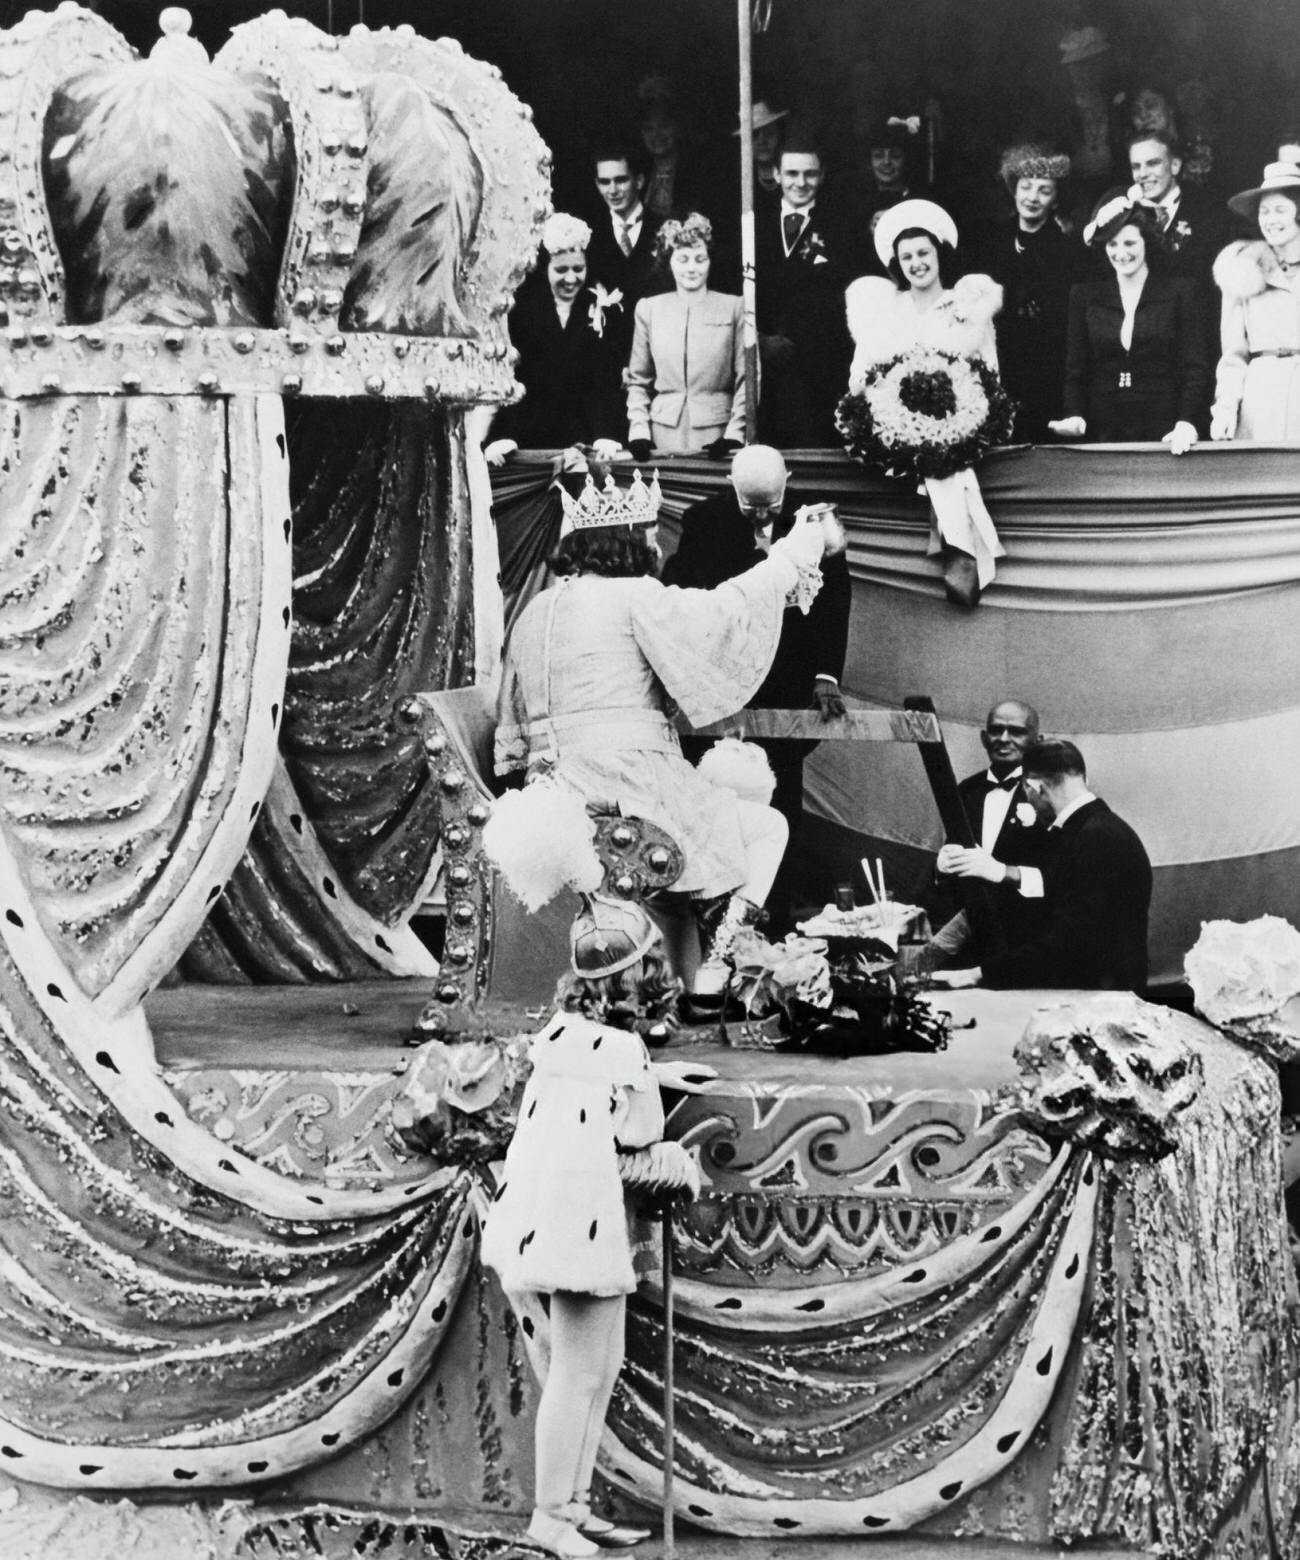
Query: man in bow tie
point(1011, 829)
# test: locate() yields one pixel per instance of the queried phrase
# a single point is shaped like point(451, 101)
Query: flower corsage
point(601, 304)
point(925, 414)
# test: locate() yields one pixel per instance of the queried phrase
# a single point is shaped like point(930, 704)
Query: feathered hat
point(1031, 160)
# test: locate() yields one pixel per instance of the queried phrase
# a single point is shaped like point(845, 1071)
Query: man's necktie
point(624, 237)
point(1007, 784)
point(792, 226)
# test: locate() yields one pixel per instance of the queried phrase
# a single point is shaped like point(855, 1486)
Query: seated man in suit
point(1009, 827)
point(1096, 889)
point(727, 534)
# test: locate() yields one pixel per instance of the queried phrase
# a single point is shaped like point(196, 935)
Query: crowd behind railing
point(1151, 310)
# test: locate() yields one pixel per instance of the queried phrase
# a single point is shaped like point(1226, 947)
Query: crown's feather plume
point(424, 198)
point(169, 186)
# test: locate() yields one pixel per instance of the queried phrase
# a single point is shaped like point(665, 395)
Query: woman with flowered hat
point(565, 333)
point(1257, 388)
point(1036, 261)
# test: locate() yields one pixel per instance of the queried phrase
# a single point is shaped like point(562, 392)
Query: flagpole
point(748, 289)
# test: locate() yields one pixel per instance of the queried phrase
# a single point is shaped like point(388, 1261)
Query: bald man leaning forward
point(730, 532)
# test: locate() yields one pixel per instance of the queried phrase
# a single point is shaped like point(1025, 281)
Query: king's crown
point(636, 504)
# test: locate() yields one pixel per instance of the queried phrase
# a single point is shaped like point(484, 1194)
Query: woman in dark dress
point(1136, 366)
point(567, 364)
point(1037, 262)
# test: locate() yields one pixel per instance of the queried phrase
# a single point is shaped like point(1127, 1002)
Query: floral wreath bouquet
point(925, 414)
point(929, 410)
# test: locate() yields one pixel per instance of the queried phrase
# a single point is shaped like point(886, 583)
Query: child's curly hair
point(641, 998)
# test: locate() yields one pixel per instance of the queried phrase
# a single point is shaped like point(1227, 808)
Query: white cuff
point(1031, 883)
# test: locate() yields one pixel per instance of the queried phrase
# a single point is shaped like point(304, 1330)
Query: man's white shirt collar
point(1069, 812)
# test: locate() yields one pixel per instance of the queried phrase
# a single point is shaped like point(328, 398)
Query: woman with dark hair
point(1136, 367)
point(920, 305)
point(596, 665)
point(1036, 262)
point(686, 377)
point(567, 358)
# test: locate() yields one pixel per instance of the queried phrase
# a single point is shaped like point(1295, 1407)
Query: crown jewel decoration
point(636, 504)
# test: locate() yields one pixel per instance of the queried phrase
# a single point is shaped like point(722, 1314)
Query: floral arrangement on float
point(839, 992)
point(460, 1096)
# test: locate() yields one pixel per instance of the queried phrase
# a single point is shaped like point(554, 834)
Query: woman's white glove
point(607, 449)
point(499, 451)
point(687, 1077)
point(660, 1169)
point(1223, 425)
point(1069, 427)
point(1180, 438)
point(804, 543)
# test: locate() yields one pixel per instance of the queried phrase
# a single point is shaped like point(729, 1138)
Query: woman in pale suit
point(686, 378)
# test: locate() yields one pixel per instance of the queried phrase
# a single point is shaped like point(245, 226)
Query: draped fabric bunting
point(382, 609)
point(1145, 606)
point(895, 1310)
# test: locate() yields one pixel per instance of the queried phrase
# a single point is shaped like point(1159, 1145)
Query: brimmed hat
point(1278, 176)
point(1116, 209)
point(924, 214)
point(1031, 160)
point(763, 115)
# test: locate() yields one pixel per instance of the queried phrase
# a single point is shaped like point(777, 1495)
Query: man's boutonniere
point(1026, 817)
point(1182, 229)
point(602, 301)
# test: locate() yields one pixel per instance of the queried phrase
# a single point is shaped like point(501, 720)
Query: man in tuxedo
point(730, 532)
point(622, 256)
point(1096, 884)
point(1008, 826)
point(803, 260)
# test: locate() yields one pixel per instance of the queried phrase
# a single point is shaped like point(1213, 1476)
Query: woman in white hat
point(1257, 389)
point(916, 242)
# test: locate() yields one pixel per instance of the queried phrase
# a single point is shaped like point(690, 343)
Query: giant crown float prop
point(246, 302)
